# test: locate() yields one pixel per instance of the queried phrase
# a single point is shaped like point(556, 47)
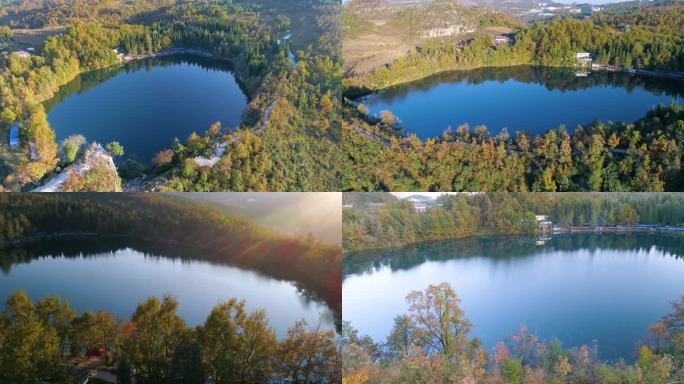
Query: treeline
point(312, 265)
point(431, 343)
point(38, 341)
point(508, 248)
point(642, 156)
point(396, 222)
point(649, 37)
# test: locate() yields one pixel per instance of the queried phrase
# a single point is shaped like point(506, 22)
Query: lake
point(578, 288)
point(145, 104)
point(531, 99)
point(116, 274)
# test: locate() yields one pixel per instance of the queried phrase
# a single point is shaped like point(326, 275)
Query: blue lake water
point(145, 105)
point(115, 275)
point(528, 99)
point(577, 288)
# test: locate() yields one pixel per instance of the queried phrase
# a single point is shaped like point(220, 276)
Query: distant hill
point(362, 199)
point(419, 198)
point(294, 214)
point(376, 32)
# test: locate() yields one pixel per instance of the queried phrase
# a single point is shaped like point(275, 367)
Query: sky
point(291, 213)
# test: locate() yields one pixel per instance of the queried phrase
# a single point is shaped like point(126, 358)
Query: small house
point(95, 352)
point(22, 54)
point(420, 208)
point(501, 39)
point(543, 222)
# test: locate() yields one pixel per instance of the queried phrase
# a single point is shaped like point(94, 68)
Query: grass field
point(24, 38)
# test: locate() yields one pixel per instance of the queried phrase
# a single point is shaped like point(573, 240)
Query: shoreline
point(309, 291)
point(355, 92)
point(564, 230)
point(57, 235)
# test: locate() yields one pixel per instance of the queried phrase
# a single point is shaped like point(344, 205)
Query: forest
point(43, 341)
point(293, 147)
point(645, 155)
point(197, 228)
point(431, 343)
point(375, 222)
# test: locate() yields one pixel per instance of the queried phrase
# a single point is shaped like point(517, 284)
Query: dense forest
point(431, 343)
point(288, 138)
point(312, 265)
point(41, 342)
point(645, 155)
point(385, 222)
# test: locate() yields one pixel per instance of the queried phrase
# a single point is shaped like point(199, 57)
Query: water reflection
point(581, 289)
point(524, 98)
point(117, 273)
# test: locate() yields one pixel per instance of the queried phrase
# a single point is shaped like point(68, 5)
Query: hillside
point(376, 33)
point(290, 213)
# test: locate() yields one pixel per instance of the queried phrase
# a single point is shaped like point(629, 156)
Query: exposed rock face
point(94, 171)
point(447, 31)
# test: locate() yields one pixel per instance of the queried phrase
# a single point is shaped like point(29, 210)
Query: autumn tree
point(440, 323)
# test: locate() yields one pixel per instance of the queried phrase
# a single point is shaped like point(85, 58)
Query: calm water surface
point(116, 275)
point(578, 288)
point(145, 105)
point(528, 99)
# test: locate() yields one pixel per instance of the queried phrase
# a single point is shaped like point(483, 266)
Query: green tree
point(149, 341)
point(115, 149)
point(252, 342)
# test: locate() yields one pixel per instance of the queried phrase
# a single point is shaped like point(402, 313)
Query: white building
point(584, 58)
point(501, 39)
point(22, 54)
point(420, 208)
point(543, 222)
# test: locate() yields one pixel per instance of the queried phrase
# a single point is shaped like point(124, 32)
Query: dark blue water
point(607, 288)
point(145, 105)
point(94, 274)
point(521, 99)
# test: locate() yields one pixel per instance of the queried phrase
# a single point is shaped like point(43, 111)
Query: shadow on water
point(89, 80)
point(506, 248)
